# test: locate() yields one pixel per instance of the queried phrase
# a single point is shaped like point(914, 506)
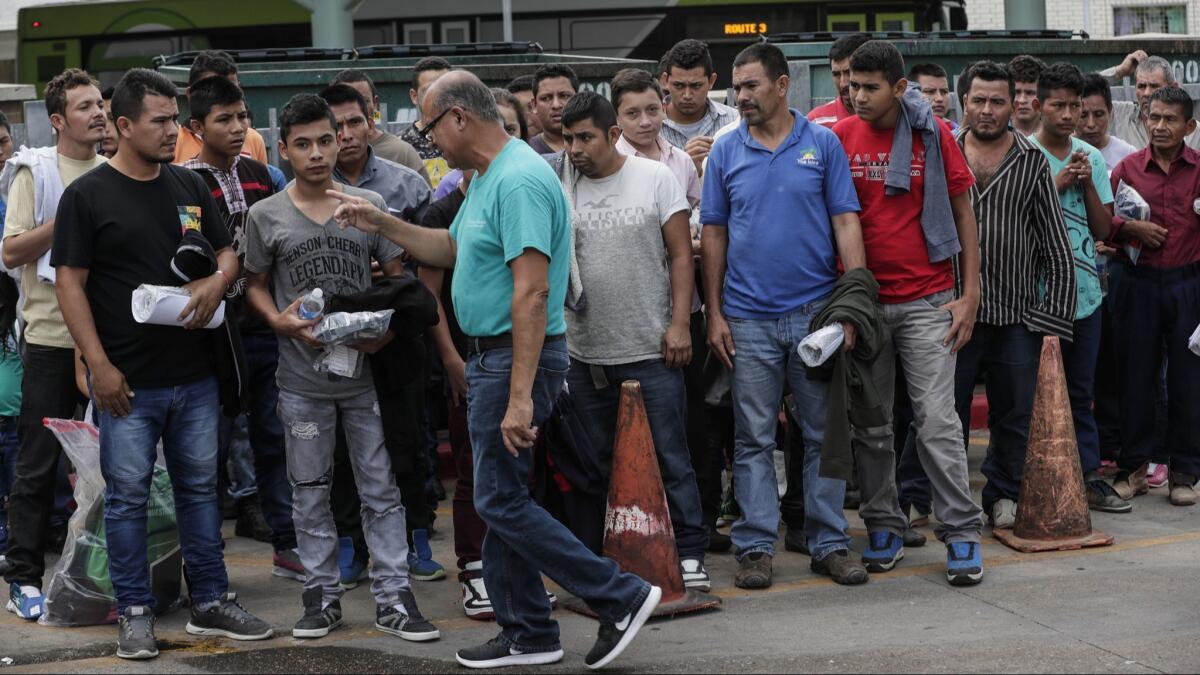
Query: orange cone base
point(690, 601)
point(1011, 540)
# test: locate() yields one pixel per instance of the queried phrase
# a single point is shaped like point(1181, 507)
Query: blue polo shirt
point(777, 207)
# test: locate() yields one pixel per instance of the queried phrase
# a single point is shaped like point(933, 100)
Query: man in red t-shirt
point(841, 106)
point(909, 242)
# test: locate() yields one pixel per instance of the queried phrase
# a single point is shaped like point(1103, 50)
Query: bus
point(106, 38)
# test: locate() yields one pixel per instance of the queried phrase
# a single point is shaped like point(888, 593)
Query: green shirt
point(517, 204)
point(1087, 278)
point(10, 379)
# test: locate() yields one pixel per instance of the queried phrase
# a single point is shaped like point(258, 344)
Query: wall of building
point(1069, 14)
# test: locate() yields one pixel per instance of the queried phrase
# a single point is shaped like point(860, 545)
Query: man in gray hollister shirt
point(293, 244)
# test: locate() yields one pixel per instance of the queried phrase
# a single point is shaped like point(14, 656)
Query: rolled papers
point(161, 305)
point(818, 346)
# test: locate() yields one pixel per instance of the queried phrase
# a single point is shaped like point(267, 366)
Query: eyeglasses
point(423, 133)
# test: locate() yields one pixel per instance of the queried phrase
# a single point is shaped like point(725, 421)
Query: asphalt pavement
point(1130, 607)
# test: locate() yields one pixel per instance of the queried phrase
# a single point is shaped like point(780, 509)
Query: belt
point(478, 345)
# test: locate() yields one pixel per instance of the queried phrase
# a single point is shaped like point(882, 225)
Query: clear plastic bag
point(80, 592)
point(1130, 205)
point(339, 360)
point(343, 327)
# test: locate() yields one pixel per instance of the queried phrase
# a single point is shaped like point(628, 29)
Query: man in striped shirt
point(1022, 238)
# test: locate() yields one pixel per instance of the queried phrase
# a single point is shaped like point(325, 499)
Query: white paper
point(1194, 342)
point(45, 270)
point(161, 305)
point(818, 346)
point(342, 360)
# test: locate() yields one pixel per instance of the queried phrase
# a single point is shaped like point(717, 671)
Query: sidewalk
point(1125, 608)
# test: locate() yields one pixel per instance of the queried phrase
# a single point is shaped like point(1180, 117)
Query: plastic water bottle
point(312, 305)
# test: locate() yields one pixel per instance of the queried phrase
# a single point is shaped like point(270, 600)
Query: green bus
point(108, 38)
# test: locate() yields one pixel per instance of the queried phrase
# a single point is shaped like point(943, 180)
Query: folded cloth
point(937, 218)
point(195, 257)
point(821, 344)
point(1194, 342)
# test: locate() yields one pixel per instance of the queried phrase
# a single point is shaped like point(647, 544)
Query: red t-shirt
point(891, 224)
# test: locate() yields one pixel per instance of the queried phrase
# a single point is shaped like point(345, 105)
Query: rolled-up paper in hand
point(818, 346)
point(161, 305)
point(1194, 342)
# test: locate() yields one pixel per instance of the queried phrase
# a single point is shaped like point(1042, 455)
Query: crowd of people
point(542, 244)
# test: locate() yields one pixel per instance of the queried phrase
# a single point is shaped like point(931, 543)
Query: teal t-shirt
point(10, 379)
point(518, 203)
point(1087, 278)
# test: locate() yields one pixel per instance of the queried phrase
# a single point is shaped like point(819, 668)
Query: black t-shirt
point(125, 232)
point(439, 216)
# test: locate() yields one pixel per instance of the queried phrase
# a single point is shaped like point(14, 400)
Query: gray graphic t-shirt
point(301, 255)
point(618, 224)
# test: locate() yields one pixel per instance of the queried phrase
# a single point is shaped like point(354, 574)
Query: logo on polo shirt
point(809, 157)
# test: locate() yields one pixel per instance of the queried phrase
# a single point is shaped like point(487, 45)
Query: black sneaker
point(228, 619)
point(912, 538)
point(718, 542)
point(250, 521)
point(319, 619)
point(1102, 497)
point(496, 655)
point(615, 637)
point(404, 620)
point(135, 634)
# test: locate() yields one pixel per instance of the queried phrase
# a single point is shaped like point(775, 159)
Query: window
point(899, 21)
point(846, 22)
point(1159, 19)
point(418, 33)
point(456, 32)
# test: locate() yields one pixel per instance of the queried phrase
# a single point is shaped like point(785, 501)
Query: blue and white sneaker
point(964, 563)
point(884, 550)
point(26, 602)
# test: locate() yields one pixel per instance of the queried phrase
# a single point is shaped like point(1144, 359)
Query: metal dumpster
point(808, 55)
point(271, 76)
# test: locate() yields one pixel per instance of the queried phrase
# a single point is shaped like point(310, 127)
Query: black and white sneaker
point(319, 619)
point(614, 638)
point(496, 655)
point(475, 601)
point(228, 619)
point(135, 634)
point(404, 620)
point(694, 575)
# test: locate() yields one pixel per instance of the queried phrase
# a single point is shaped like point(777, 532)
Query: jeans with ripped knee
point(309, 432)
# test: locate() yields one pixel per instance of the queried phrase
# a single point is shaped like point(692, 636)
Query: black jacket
point(415, 310)
point(853, 397)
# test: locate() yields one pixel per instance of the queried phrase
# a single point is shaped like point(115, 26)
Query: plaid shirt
point(717, 116)
point(230, 184)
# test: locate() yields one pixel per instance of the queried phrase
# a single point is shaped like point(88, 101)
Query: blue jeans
point(666, 408)
point(1079, 364)
point(264, 433)
point(1008, 357)
point(766, 355)
point(523, 540)
point(8, 471)
point(236, 457)
point(185, 418)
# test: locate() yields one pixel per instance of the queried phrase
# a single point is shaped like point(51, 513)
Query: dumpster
point(808, 55)
point(272, 76)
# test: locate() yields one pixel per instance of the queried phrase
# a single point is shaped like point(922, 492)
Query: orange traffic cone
point(1052, 511)
point(637, 525)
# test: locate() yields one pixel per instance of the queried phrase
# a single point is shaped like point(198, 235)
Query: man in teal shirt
point(510, 246)
point(1081, 177)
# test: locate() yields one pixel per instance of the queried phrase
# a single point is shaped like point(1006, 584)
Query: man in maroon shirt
point(841, 106)
point(1157, 304)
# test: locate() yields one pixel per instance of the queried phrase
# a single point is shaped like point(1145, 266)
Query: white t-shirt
point(1115, 151)
point(623, 265)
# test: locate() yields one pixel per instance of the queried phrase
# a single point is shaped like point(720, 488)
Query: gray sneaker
point(318, 618)
point(403, 619)
point(228, 619)
point(1102, 497)
point(1004, 514)
point(135, 634)
point(844, 569)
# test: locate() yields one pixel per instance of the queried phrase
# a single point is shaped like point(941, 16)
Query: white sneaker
point(1004, 514)
point(475, 601)
point(694, 575)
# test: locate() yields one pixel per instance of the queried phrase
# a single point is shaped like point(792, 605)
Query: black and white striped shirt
point(1027, 271)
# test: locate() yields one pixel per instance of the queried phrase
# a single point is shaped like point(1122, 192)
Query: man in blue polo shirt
point(779, 209)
